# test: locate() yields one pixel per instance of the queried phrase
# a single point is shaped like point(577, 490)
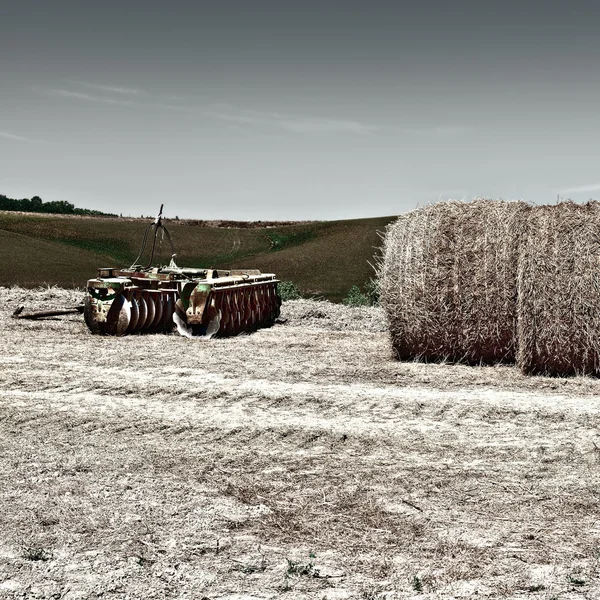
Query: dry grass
point(559, 290)
point(449, 281)
point(29, 261)
point(313, 314)
point(323, 258)
point(296, 462)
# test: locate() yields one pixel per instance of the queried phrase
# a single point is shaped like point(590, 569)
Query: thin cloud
point(310, 125)
point(88, 97)
point(18, 138)
point(107, 100)
point(440, 131)
point(175, 107)
point(127, 91)
point(591, 187)
point(113, 89)
point(291, 123)
point(232, 114)
point(234, 118)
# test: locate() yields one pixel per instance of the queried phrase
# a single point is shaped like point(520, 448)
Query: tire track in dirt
point(207, 399)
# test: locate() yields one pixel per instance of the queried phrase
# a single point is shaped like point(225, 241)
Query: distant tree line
point(37, 205)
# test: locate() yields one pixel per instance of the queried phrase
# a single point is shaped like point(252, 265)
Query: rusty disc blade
point(236, 308)
point(167, 313)
point(219, 306)
point(258, 302)
point(118, 316)
point(213, 325)
point(150, 308)
point(230, 308)
point(264, 303)
point(247, 318)
point(90, 315)
point(180, 320)
point(158, 310)
point(143, 312)
point(135, 313)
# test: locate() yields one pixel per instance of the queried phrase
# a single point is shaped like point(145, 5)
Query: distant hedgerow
point(37, 205)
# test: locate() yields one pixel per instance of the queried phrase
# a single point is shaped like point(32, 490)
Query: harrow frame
point(199, 302)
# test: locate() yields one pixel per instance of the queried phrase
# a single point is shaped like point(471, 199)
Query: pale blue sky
point(287, 110)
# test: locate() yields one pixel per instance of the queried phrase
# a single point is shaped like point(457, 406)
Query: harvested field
point(302, 461)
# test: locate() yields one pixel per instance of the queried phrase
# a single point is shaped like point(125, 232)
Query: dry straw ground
point(301, 462)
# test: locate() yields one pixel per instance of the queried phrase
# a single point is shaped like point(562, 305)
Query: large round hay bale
point(559, 290)
point(448, 281)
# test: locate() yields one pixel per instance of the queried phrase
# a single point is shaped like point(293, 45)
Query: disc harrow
point(220, 304)
point(198, 302)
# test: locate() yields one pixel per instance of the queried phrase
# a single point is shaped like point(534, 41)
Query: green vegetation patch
point(279, 240)
point(288, 290)
point(356, 298)
point(117, 249)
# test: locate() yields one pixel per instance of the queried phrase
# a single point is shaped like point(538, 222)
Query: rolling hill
point(323, 258)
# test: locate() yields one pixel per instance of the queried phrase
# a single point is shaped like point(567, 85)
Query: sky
point(285, 110)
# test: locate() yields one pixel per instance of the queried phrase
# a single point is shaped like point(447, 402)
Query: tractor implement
point(198, 302)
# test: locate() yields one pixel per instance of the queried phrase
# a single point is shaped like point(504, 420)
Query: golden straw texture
point(448, 281)
point(559, 291)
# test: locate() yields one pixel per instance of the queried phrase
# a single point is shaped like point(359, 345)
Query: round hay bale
point(559, 291)
point(448, 281)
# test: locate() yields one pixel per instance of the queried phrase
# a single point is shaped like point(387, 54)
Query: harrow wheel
point(107, 317)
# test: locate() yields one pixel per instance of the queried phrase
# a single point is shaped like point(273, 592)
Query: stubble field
point(301, 461)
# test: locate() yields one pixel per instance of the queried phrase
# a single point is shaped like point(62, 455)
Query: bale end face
point(559, 291)
point(448, 281)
